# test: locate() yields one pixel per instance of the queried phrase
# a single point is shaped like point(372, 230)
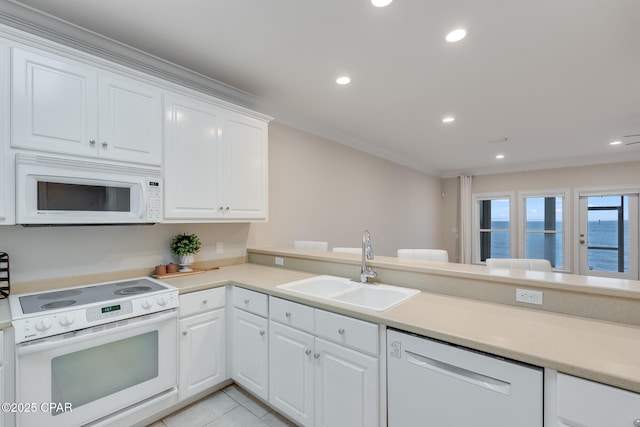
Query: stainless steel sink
point(375, 297)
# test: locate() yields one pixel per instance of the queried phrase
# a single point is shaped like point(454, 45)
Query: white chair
point(426, 254)
point(311, 244)
point(520, 263)
point(348, 250)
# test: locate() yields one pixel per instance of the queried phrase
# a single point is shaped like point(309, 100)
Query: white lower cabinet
point(318, 376)
point(346, 384)
point(250, 343)
point(291, 368)
point(576, 402)
point(7, 375)
point(202, 341)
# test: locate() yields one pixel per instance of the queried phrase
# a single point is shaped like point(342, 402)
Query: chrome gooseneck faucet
point(366, 273)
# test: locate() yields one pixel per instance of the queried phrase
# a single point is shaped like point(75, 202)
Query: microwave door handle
point(60, 340)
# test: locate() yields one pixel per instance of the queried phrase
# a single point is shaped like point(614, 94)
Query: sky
point(535, 208)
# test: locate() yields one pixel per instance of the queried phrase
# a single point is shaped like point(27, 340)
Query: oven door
point(76, 378)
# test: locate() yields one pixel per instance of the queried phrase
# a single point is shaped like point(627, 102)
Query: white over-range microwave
point(57, 191)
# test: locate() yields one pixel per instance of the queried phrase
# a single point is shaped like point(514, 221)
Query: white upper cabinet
point(245, 168)
point(215, 163)
point(64, 106)
point(7, 190)
point(192, 138)
point(130, 120)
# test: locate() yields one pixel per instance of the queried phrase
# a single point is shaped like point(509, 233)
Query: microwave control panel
point(154, 200)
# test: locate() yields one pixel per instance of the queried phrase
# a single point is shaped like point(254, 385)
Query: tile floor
point(229, 407)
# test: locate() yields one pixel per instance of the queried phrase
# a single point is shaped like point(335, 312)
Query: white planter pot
point(185, 262)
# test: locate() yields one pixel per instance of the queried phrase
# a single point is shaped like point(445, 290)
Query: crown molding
point(54, 29)
point(548, 164)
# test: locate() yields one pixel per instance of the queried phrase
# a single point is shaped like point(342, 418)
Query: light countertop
point(598, 350)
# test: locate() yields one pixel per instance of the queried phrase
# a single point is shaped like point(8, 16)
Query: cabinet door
point(202, 352)
point(250, 353)
point(54, 104)
point(586, 403)
point(192, 132)
point(7, 176)
point(130, 119)
point(346, 387)
point(245, 168)
point(291, 365)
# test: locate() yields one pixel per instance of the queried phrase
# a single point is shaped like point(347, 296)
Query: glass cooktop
point(74, 297)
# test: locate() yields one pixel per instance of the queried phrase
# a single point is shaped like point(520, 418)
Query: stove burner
point(60, 294)
point(58, 304)
point(134, 290)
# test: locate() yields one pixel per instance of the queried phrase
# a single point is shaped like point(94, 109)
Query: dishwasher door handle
point(476, 378)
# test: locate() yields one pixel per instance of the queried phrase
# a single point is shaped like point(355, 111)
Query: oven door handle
point(116, 327)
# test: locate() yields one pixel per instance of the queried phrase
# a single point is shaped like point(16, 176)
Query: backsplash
point(52, 252)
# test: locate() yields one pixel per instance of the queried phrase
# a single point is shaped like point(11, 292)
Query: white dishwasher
point(434, 384)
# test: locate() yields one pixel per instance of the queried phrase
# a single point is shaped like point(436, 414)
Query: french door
point(608, 235)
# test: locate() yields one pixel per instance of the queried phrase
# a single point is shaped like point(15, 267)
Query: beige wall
point(605, 175)
point(321, 190)
point(318, 190)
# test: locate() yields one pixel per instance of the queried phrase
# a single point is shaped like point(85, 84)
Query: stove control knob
point(43, 324)
point(66, 319)
point(146, 303)
point(162, 300)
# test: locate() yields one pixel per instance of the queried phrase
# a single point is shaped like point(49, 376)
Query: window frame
point(475, 222)
point(609, 190)
point(565, 193)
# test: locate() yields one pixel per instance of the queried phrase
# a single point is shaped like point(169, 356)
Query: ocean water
point(601, 234)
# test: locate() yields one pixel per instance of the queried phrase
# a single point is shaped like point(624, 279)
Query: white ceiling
point(558, 79)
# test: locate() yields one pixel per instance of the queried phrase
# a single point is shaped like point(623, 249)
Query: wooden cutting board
point(186, 273)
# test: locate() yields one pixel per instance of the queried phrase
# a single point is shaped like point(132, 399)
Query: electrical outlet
point(279, 261)
point(219, 248)
point(529, 296)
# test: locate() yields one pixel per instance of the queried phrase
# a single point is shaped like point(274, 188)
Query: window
point(492, 226)
point(608, 233)
point(544, 221)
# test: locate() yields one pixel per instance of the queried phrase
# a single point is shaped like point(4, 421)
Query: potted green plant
point(185, 246)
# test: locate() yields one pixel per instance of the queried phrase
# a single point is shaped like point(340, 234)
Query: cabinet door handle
point(104, 144)
point(316, 356)
point(226, 209)
point(341, 331)
point(204, 301)
point(262, 333)
point(185, 333)
point(287, 314)
point(246, 301)
point(307, 352)
point(636, 422)
point(92, 142)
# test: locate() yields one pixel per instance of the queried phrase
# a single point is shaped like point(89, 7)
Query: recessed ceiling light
point(500, 156)
point(343, 80)
point(615, 143)
point(456, 35)
point(381, 3)
point(448, 119)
